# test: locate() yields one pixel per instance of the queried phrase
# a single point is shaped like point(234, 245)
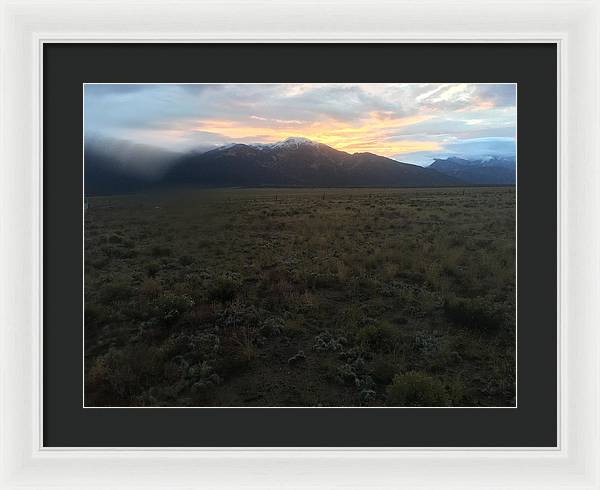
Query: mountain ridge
point(299, 162)
point(293, 162)
point(482, 171)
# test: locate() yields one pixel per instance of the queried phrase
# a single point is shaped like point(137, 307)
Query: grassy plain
point(301, 297)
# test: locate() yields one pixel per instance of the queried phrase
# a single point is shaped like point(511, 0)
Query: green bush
point(114, 252)
point(151, 288)
point(152, 268)
point(316, 280)
point(115, 239)
point(125, 372)
point(116, 291)
point(95, 314)
point(382, 371)
point(170, 306)
point(160, 251)
point(378, 337)
point(415, 389)
point(224, 289)
point(186, 260)
point(474, 313)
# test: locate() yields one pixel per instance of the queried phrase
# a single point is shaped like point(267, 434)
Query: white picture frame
point(574, 25)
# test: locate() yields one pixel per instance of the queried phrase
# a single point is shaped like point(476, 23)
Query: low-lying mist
point(128, 158)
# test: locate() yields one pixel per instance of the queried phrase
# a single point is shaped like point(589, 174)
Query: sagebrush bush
point(474, 313)
point(115, 291)
point(170, 306)
point(152, 268)
point(186, 260)
point(380, 336)
point(318, 280)
point(95, 313)
point(416, 389)
point(224, 289)
point(125, 372)
point(114, 252)
point(151, 288)
point(160, 251)
point(383, 371)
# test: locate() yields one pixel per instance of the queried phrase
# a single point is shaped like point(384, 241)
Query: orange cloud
point(369, 134)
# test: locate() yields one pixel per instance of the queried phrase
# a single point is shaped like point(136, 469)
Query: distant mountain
point(298, 162)
point(495, 170)
point(117, 167)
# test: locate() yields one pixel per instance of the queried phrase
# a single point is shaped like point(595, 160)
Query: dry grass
point(382, 269)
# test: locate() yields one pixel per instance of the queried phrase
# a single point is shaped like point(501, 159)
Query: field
point(301, 297)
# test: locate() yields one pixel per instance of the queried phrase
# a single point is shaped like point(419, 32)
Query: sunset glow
point(408, 122)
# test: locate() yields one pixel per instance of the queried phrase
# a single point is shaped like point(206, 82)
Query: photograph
point(310, 245)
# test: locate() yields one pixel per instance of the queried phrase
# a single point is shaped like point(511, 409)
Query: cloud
point(502, 95)
point(389, 119)
point(483, 147)
point(476, 148)
point(129, 157)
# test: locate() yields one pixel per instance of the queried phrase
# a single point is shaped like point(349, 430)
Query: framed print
point(265, 257)
point(318, 254)
point(266, 246)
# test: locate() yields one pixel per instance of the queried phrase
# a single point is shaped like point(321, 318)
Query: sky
point(412, 123)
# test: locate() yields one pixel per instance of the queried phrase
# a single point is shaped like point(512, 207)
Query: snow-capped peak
point(294, 142)
point(291, 142)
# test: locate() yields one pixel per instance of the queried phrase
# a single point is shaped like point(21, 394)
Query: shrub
point(383, 371)
point(328, 369)
point(240, 346)
point(176, 344)
point(160, 251)
point(325, 342)
point(316, 280)
point(367, 396)
point(125, 373)
point(205, 344)
point(425, 343)
point(224, 289)
point(116, 291)
point(175, 374)
point(115, 239)
point(99, 262)
point(151, 287)
point(171, 306)
point(272, 327)
point(346, 375)
point(247, 350)
point(128, 244)
point(152, 268)
point(205, 377)
point(378, 337)
point(98, 374)
point(180, 302)
point(95, 314)
point(294, 329)
point(475, 313)
point(415, 389)
point(113, 252)
point(186, 260)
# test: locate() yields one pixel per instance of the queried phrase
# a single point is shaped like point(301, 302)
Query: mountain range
point(488, 171)
point(297, 162)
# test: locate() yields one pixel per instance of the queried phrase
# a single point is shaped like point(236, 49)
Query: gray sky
point(409, 122)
